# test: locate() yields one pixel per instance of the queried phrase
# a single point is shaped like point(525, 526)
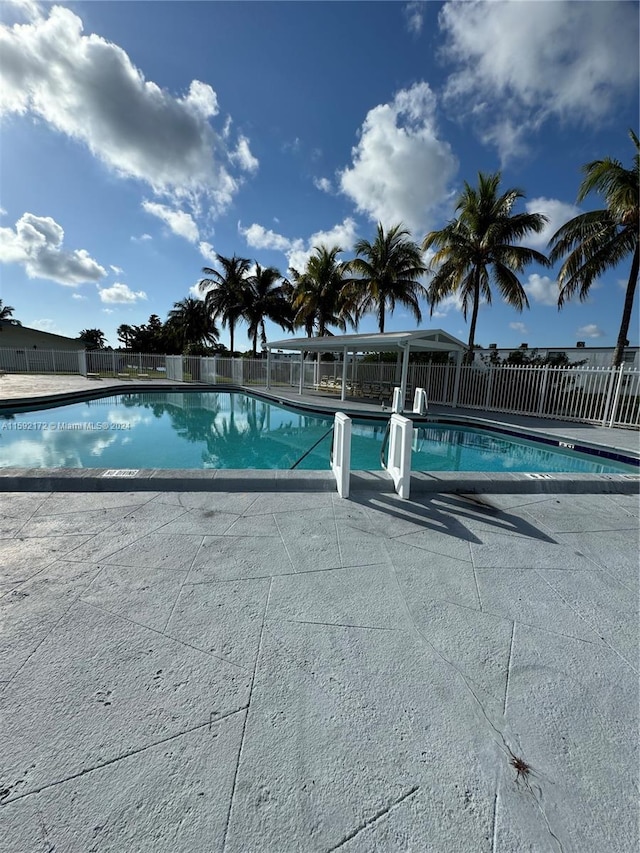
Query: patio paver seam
point(123, 757)
point(587, 623)
point(184, 580)
point(162, 634)
point(378, 816)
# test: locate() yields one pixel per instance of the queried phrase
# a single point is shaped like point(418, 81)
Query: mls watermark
point(62, 426)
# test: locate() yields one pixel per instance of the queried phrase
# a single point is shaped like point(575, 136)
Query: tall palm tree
point(389, 270)
point(225, 292)
point(596, 241)
point(189, 322)
point(481, 247)
point(321, 295)
point(6, 313)
point(93, 339)
point(266, 301)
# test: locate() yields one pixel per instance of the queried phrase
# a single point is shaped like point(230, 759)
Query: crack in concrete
point(284, 544)
point(129, 754)
point(373, 820)
point(246, 718)
point(338, 625)
point(184, 580)
point(506, 688)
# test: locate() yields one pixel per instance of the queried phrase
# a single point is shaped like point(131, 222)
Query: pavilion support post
point(301, 383)
point(345, 356)
point(398, 374)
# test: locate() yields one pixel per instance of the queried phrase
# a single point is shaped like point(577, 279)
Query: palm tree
point(225, 292)
point(266, 301)
point(596, 241)
point(189, 322)
point(93, 339)
point(321, 296)
point(389, 270)
point(481, 247)
point(6, 312)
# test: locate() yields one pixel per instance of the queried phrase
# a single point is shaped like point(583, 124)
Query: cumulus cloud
point(78, 296)
point(414, 16)
point(323, 184)
point(519, 327)
point(116, 270)
point(180, 222)
point(557, 212)
point(448, 304)
point(259, 237)
point(519, 63)
point(401, 169)
point(542, 289)
point(343, 235)
point(36, 244)
point(88, 89)
point(297, 250)
point(47, 325)
point(590, 331)
point(143, 238)
point(208, 252)
point(120, 293)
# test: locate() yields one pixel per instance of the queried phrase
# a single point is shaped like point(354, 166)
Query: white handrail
point(420, 402)
point(399, 463)
point(341, 456)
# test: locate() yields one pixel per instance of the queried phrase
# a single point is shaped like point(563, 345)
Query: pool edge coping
point(176, 479)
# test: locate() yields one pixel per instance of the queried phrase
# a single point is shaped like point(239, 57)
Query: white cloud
point(259, 237)
point(179, 222)
point(448, 304)
point(143, 238)
point(519, 327)
point(401, 169)
point(195, 291)
point(107, 311)
point(558, 213)
point(120, 293)
point(47, 325)
point(590, 331)
point(116, 270)
point(88, 89)
point(414, 14)
point(78, 296)
point(297, 250)
point(36, 244)
point(243, 156)
point(323, 184)
point(519, 63)
point(542, 289)
point(208, 252)
point(343, 235)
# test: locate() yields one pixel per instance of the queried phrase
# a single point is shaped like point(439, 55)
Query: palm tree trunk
point(468, 357)
point(231, 331)
point(381, 318)
point(618, 355)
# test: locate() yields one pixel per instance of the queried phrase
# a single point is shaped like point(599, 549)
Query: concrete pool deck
point(251, 671)
point(238, 672)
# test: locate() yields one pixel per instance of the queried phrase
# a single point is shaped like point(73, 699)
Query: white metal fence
point(600, 395)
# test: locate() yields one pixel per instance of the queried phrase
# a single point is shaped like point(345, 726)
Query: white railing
point(398, 464)
point(598, 395)
point(341, 453)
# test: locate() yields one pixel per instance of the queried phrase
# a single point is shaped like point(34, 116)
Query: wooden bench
point(93, 376)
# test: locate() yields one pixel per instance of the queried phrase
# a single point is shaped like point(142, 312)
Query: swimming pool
point(229, 430)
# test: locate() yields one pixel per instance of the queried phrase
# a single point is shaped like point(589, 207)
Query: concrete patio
point(233, 671)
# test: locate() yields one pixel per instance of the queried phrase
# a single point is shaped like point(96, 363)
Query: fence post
point(487, 394)
point(543, 390)
point(456, 382)
point(616, 396)
point(53, 360)
point(606, 410)
point(82, 361)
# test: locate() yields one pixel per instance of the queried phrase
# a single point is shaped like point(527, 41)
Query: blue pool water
point(231, 430)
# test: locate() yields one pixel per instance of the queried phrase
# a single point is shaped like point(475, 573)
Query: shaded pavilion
point(404, 343)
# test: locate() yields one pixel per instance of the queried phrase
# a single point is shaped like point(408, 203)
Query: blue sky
point(139, 139)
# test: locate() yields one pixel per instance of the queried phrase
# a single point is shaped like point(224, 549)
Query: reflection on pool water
point(231, 430)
